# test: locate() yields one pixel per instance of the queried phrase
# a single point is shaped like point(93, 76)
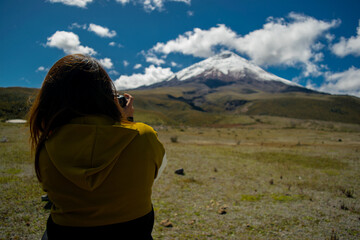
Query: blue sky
point(314, 43)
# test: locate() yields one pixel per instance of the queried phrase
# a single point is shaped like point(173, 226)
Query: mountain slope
point(14, 102)
point(229, 69)
point(224, 89)
point(227, 64)
point(229, 86)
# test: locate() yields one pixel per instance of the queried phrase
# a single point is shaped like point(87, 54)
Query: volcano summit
point(229, 69)
point(227, 86)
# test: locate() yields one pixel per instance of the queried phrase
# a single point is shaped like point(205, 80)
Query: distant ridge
point(14, 102)
point(228, 68)
point(226, 86)
point(217, 95)
point(227, 64)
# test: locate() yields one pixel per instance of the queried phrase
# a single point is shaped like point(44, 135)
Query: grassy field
point(275, 178)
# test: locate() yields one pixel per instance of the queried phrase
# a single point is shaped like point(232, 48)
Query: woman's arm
point(162, 167)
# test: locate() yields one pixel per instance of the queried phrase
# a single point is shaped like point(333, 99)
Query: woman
point(96, 166)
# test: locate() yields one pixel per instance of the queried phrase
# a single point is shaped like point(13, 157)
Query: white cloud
point(114, 72)
point(285, 43)
point(42, 69)
point(154, 60)
point(137, 66)
point(347, 82)
point(114, 44)
point(123, 2)
point(174, 64)
point(199, 43)
point(190, 13)
point(152, 75)
point(68, 42)
point(311, 69)
point(184, 1)
point(76, 3)
point(317, 46)
point(106, 63)
point(348, 46)
point(279, 42)
point(318, 57)
point(101, 31)
point(76, 25)
point(126, 63)
point(330, 37)
point(151, 5)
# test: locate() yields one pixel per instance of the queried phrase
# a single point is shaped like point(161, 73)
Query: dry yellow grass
point(279, 179)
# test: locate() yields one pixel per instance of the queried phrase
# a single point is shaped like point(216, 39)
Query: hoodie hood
point(86, 150)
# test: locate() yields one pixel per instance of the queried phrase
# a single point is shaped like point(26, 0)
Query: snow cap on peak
point(225, 54)
point(230, 64)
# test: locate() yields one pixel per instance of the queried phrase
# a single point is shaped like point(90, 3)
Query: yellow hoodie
point(98, 172)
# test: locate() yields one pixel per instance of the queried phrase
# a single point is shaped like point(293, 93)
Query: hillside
point(14, 102)
point(185, 105)
point(223, 89)
point(228, 89)
point(198, 104)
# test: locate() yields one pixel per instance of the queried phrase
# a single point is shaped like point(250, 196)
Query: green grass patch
point(287, 197)
point(8, 179)
point(13, 171)
point(251, 198)
point(331, 172)
point(317, 162)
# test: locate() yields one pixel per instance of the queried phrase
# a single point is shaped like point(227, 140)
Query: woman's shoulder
point(146, 135)
point(142, 128)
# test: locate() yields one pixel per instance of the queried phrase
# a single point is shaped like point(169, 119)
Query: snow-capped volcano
point(227, 64)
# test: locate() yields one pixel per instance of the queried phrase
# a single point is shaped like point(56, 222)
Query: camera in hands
point(122, 100)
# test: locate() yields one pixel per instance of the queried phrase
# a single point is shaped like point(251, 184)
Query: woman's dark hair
point(75, 86)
